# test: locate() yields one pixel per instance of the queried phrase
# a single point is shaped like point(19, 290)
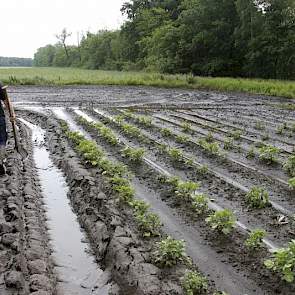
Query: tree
point(62, 39)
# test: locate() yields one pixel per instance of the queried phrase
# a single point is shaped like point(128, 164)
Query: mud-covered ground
point(123, 256)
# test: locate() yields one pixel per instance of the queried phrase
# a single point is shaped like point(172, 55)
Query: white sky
point(29, 24)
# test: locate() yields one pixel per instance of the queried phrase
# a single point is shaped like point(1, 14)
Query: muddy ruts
point(120, 250)
point(25, 263)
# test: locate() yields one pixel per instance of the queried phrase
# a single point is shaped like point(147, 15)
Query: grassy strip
point(73, 76)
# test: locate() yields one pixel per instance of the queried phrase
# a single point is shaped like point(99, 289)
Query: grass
point(72, 76)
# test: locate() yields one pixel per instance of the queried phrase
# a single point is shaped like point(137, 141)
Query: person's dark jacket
point(2, 98)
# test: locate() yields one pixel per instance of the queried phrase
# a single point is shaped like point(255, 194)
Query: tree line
point(245, 38)
point(15, 62)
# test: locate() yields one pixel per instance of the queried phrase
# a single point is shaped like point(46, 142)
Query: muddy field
point(70, 217)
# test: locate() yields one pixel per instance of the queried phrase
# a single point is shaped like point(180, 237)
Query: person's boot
point(2, 170)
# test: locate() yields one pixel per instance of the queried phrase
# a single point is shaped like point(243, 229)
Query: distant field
point(70, 76)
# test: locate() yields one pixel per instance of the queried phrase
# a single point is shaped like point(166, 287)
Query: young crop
point(251, 153)
point(90, 151)
point(211, 148)
point(170, 252)
point(107, 134)
point(283, 262)
point(182, 138)
point(291, 183)
point(255, 238)
point(194, 283)
point(134, 155)
point(209, 137)
point(236, 135)
point(186, 189)
point(222, 221)
point(280, 129)
point(139, 206)
point(257, 197)
point(228, 143)
point(148, 223)
point(130, 130)
point(166, 132)
point(173, 180)
point(175, 154)
point(203, 169)
point(200, 203)
point(145, 121)
point(289, 165)
point(125, 193)
point(119, 119)
point(186, 127)
point(268, 154)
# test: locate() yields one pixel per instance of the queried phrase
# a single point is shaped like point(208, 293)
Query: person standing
point(3, 132)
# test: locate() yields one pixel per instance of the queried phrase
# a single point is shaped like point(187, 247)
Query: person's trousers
point(3, 139)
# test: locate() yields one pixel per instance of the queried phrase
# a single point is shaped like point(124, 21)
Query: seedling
point(148, 223)
point(255, 238)
point(139, 206)
point(186, 189)
point(280, 129)
point(269, 154)
point(203, 169)
point(174, 181)
point(289, 165)
point(166, 132)
point(119, 119)
point(200, 203)
point(145, 121)
point(257, 197)
point(228, 143)
point(283, 262)
point(131, 130)
point(236, 135)
point(186, 127)
point(194, 283)
point(209, 137)
point(292, 183)
point(182, 138)
point(175, 154)
point(134, 155)
point(211, 148)
point(251, 153)
point(223, 221)
point(125, 193)
point(170, 252)
point(107, 134)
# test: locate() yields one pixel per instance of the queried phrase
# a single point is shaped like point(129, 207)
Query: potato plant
point(130, 130)
point(184, 190)
point(182, 138)
point(134, 155)
point(283, 262)
point(257, 197)
point(254, 241)
point(194, 283)
point(200, 203)
point(223, 221)
point(268, 154)
point(186, 127)
point(170, 252)
point(211, 148)
point(175, 154)
point(291, 183)
point(251, 153)
point(228, 143)
point(144, 120)
point(166, 132)
point(148, 223)
point(289, 165)
point(236, 135)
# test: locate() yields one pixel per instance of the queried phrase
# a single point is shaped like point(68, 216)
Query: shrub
point(170, 252)
point(254, 240)
point(194, 283)
point(200, 203)
point(292, 183)
point(134, 155)
point(257, 197)
point(268, 154)
point(289, 165)
point(186, 189)
point(283, 262)
point(222, 221)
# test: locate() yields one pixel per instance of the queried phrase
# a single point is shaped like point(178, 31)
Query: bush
point(170, 252)
point(254, 240)
point(194, 283)
point(257, 198)
point(283, 262)
point(222, 221)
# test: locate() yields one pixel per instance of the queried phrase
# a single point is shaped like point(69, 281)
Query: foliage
point(257, 197)
point(254, 240)
point(283, 262)
point(251, 153)
point(186, 189)
point(289, 165)
point(194, 283)
point(149, 223)
point(228, 143)
point(170, 252)
point(268, 154)
point(186, 127)
point(130, 130)
point(166, 132)
point(182, 138)
point(134, 155)
point(292, 183)
point(200, 203)
point(211, 148)
point(236, 135)
point(222, 221)
point(209, 137)
point(144, 120)
point(259, 125)
point(203, 169)
point(175, 154)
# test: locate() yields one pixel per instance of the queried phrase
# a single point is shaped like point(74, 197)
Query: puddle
point(77, 271)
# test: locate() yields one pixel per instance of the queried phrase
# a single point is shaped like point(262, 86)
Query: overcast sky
point(29, 24)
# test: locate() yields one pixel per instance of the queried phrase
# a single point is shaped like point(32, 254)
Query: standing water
point(77, 272)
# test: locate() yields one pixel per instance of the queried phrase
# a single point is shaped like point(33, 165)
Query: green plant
point(90, 151)
point(280, 129)
point(222, 221)
point(228, 143)
point(170, 252)
point(175, 154)
point(194, 283)
point(236, 135)
point(166, 132)
point(209, 137)
point(291, 183)
point(251, 153)
point(268, 154)
point(186, 189)
point(139, 206)
point(289, 165)
point(145, 121)
point(148, 223)
point(125, 193)
point(134, 155)
point(108, 135)
point(283, 262)
point(173, 180)
point(182, 138)
point(259, 125)
point(203, 169)
point(186, 127)
point(211, 148)
point(257, 197)
point(200, 203)
point(130, 130)
point(255, 238)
